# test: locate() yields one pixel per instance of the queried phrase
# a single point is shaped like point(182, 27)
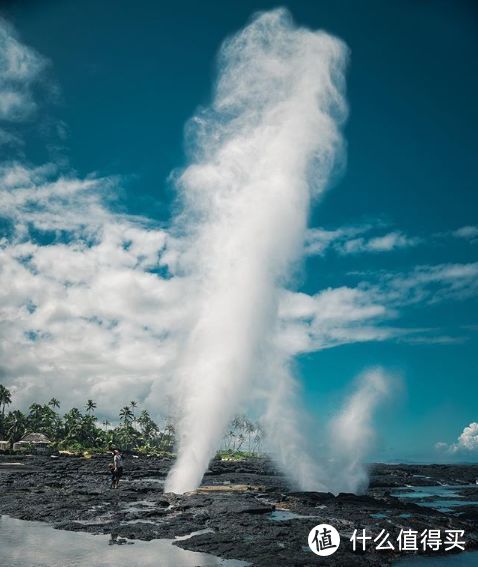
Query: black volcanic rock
point(235, 505)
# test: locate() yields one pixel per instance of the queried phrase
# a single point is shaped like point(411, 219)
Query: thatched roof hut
point(38, 442)
point(35, 438)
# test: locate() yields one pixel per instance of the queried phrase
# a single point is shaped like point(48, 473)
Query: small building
point(4, 445)
point(35, 442)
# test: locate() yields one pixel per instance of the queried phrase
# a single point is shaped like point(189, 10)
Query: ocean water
point(36, 544)
point(465, 559)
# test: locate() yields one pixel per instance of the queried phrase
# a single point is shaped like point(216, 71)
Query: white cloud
point(371, 238)
point(85, 315)
point(467, 442)
point(20, 67)
point(347, 240)
point(429, 284)
point(84, 312)
point(364, 313)
point(436, 339)
point(331, 318)
point(467, 232)
point(319, 240)
point(385, 243)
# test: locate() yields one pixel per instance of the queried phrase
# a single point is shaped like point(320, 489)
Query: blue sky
point(397, 230)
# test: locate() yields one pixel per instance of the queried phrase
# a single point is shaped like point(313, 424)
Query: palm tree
point(167, 437)
point(126, 415)
point(72, 424)
point(133, 405)
point(5, 398)
point(35, 416)
point(249, 429)
point(126, 431)
point(88, 430)
point(258, 439)
point(148, 428)
point(54, 403)
point(16, 426)
point(90, 406)
point(106, 424)
point(42, 419)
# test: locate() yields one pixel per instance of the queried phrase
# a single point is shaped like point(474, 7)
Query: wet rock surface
point(244, 510)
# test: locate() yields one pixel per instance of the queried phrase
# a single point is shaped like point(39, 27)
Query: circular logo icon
point(324, 540)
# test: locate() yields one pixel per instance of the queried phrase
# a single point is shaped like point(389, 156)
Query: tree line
point(80, 430)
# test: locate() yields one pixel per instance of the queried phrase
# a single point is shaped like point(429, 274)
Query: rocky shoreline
point(244, 510)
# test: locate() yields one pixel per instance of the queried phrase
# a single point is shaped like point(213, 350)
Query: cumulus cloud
point(80, 292)
point(80, 283)
point(467, 442)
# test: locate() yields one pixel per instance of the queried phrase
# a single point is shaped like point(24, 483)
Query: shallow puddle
point(446, 498)
point(23, 544)
point(427, 491)
point(192, 534)
point(283, 515)
point(444, 505)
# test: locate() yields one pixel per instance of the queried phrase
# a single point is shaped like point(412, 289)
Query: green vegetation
point(81, 432)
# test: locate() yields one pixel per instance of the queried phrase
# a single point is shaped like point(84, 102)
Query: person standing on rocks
point(118, 467)
point(113, 474)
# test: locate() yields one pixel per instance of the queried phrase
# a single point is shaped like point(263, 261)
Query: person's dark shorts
point(119, 473)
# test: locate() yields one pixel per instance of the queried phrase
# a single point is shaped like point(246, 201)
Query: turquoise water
point(444, 505)
point(465, 559)
point(36, 544)
point(427, 491)
point(447, 497)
